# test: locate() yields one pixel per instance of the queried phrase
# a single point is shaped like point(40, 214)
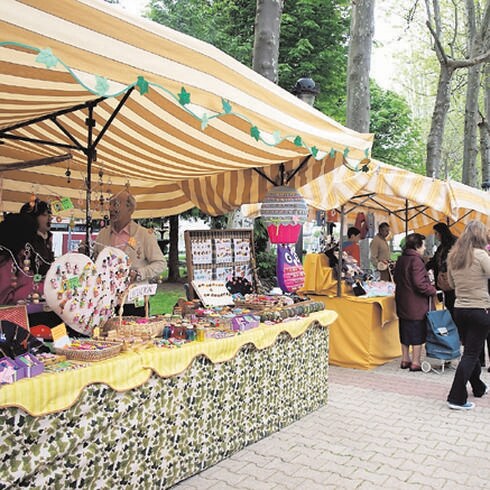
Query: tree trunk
point(359, 65)
point(439, 116)
point(470, 152)
point(173, 251)
point(484, 127)
point(266, 42)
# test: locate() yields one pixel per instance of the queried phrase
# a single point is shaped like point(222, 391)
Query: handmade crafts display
point(212, 293)
point(16, 340)
point(241, 248)
point(134, 327)
point(223, 251)
point(289, 270)
point(219, 255)
point(285, 313)
point(83, 293)
point(284, 211)
point(202, 251)
point(90, 350)
point(260, 302)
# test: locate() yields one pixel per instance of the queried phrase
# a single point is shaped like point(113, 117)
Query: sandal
point(415, 367)
point(405, 364)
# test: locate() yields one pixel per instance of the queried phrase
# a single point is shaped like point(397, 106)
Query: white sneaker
point(466, 406)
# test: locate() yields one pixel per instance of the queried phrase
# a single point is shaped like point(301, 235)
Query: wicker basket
point(91, 355)
point(128, 326)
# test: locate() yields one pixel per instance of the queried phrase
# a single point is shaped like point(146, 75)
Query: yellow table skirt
point(319, 276)
point(50, 393)
point(365, 334)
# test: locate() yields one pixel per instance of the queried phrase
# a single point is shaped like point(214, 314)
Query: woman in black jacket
point(438, 263)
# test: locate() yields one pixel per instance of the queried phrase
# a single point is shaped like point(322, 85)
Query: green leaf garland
point(47, 58)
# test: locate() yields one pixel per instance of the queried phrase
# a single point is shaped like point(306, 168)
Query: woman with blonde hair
point(468, 273)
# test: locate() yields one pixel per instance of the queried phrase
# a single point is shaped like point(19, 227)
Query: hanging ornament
point(68, 175)
point(59, 219)
point(109, 187)
point(284, 211)
point(71, 225)
point(32, 201)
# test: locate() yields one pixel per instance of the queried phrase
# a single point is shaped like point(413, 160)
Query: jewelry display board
point(219, 255)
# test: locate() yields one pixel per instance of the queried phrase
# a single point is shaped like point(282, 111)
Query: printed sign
point(141, 291)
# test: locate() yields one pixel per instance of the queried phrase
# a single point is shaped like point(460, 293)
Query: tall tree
point(359, 65)
point(475, 45)
point(358, 91)
point(484, 127)
point(267, 37)
point(448, 65)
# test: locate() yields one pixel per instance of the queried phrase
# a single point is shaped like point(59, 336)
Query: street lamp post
point(306, 90)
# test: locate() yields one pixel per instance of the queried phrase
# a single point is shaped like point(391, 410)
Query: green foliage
point(163, 301)
point(398, 138)
point(313, 38)
point(266, 264)
point(314, 43)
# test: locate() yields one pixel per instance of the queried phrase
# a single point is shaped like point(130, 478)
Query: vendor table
point(153, 418)
point(365, 334)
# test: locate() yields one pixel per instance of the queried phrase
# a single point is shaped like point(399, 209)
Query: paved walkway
point(386, 428)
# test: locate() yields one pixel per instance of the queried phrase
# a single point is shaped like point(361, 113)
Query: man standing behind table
point(380, 252)
point(139, 244)
point(351, 245)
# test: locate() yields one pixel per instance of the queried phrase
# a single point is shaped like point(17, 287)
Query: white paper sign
point(142, 290)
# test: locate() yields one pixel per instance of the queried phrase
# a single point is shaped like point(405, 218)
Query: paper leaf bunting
point(298, 141)
point(277, 137)
point(46, 57)
point(314, 151)
point(142, 85)
point(184, 97)
point(204, 121)
point(101, 85)
point(255, 132)
point(226, 106)
point(332, 153)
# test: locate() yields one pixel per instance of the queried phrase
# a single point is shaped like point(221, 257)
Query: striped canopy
point(190, 122)
point(404, 199)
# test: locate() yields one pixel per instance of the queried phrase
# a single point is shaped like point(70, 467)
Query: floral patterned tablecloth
point(167, 429)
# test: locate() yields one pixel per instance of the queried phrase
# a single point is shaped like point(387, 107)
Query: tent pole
point(90, 123)
point(406, 217)
point(339, 265)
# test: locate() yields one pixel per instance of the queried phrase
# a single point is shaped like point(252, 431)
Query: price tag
point(142, 290)
point(60, 336)
point(66, 203)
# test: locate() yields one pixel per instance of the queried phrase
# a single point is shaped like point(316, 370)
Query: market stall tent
point(137, 102)
point(406, 200)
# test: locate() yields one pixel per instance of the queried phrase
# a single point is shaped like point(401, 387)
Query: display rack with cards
point(219, 255)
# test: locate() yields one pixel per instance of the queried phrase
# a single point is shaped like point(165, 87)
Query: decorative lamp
point(284, 211)
point(306, 89)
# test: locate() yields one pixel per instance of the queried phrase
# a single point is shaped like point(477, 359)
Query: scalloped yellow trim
point(51, 393)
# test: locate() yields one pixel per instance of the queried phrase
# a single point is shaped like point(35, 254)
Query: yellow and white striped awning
point(194, 126)
point(397, 196)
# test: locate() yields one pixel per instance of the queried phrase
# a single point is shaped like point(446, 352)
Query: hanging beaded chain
point(25, 269)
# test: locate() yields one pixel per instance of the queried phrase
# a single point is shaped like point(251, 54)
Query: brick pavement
point(384, 428)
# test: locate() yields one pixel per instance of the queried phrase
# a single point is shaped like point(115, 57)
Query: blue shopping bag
point(442, 336)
